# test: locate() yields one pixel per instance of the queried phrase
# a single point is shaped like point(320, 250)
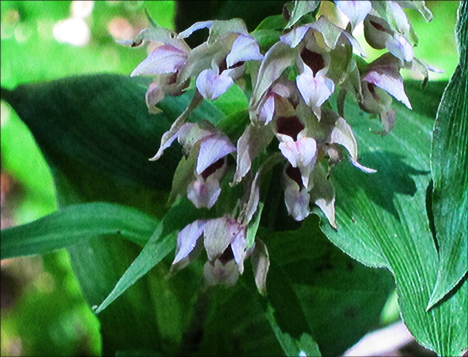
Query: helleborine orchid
point(290, 126)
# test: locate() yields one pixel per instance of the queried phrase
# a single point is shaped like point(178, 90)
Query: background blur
point(42, 310)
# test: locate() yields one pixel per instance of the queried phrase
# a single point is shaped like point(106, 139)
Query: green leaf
point(449, 165)
point(313, 287)
point(161, 243)
point(113, 133)
point(382, 220)
point(99, 152)
point(304, 346)
point(76, 224)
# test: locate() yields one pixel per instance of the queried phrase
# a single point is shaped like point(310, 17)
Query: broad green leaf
point(382, 219)
point(76, 224)
point(113, 133)
point(449, 171)
point(313, 287)
point(160, 244)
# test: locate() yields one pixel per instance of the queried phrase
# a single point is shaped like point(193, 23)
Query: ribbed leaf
point(449, 172)
point(76, 224)
point(382, 219)
point(102, 122)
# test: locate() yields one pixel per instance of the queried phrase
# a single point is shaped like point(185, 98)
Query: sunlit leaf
point(382, 219)
point(449, 171)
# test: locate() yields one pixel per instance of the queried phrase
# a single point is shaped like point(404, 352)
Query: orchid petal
point(244, 48)
point(187, 239)
point(212, 149)
point(389, 80)
point(153, 96)
point(252, 142)
point(204, 193)
point(211, 85)
point(355, 11)
point(217, 273)
point(400, 47)
point(196, 26)
point(296, 200)
point(343, 134)
point(218, 235)
point(301, 154)
point(295, 36)
point(164, 59)
point(170, 135)
point(260, 264)
point(267, 110)
point(238, 248)
point(314, 90)
point(323, 194)
point(276, 60)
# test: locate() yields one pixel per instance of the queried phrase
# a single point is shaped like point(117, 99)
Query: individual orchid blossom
point(379, 35)
point(296, 147)
point(213, 82)
point(200, 173)
point(165, 62)
point(224, 240)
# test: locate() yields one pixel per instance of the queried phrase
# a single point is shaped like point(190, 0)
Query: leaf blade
point(73, 224)
point(449, 162)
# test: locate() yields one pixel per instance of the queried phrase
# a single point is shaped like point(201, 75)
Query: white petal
point(400, 47)
point(219, 273)
point(164, 59)
point(238, 248)
point(187, 239)
point(390, 81)
point(297, 202)
point(267, 109)
point(196, 26)
point(276, 60)
point(302, 154)
point(211, 84)
point(295, 36)
point(244, 48)
point(217, 237)
point(252, 142)
point(212, 149)
point(355, 11)
point(203, 193)
point(314, 90)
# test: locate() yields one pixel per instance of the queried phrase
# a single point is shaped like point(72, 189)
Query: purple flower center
point(212, 168)
point(223, 65)
point(227, 256)
point(290, 126)
point(313, 59)
point(377, 26)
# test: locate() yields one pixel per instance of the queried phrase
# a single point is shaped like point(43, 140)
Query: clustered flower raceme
point(292, 83)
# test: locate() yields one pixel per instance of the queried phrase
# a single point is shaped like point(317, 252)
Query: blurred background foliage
point(42, 310)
